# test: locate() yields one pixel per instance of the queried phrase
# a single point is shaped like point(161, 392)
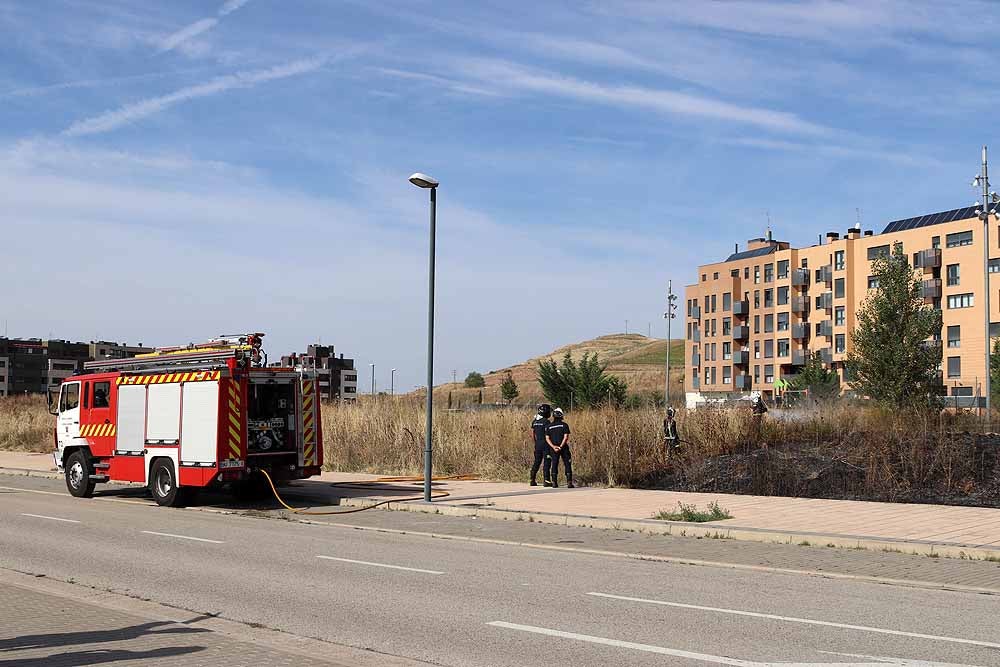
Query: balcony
point(800, 278)
point(741, 308)
point(696, 336)
point(933, 345)
point(800, 357)
point(825, 275)
point(695, 382)
point(825, 329)
point(927, 259)
point(931, 289)
point(824, 301)
point(800, 305)
point(741, 357)
point(696, 360)
point(826, 355)
point(800, 331)
point(695, 312)
point(741, 332)
point(743, 382)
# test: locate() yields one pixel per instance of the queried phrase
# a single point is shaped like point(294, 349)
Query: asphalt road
point(464, 603)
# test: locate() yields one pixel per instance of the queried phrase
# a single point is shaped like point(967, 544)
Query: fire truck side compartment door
point(200, 422)
point(131, 418)
point(163, 414)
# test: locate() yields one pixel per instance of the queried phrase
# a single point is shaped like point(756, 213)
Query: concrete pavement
point(931, 529)
point(474, 603)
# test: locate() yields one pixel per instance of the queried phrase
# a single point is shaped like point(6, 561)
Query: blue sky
point(169, 171)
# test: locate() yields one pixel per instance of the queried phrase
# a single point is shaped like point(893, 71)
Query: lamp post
point(373, 381)
point(392, 382)
point(669, 315)
point(426, 182)
point(986, 208)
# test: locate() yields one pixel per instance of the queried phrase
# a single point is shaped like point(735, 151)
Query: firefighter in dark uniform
point(542, 458)
point(557, 438)
point(670, 437)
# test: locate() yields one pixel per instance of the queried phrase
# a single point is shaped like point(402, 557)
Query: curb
point(654, 527)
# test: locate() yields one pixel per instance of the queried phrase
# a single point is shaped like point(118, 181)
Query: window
point(783, 347)
point(707, 303)
point(756, 298)
point(955, 336)
point(713, 374)
point(769, 273)
point(746, 273)
point(878, 251)
point(960, 300)
point(713, 303)
point(839, 317)
point(727, 302)
point(805, 263)
point(734, 273)
point(961, 391)
point(756, 324)
point(840, 343)
point(70, 399)
point(3, 364)
point(782, 321)
point(756, 374)
point(995, 266)
point(838, 260)
point(769, 374)
point(958, 239)
point(782, 269)
point(768, 349)
point(727, 351)
point(756, 349)
point(63, 367)
point(954, 367)
point(953, 275)
point(769, 298)
point(756, 275)
point(936, 242)
point(838, 288)
point(768, 323)
point(101, 392)
point(872, 282)
point(713, 325)
point(707, 376)
point(727, 375)
point(727, 326)
point(782, 296)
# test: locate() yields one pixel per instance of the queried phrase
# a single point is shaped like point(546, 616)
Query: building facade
point(337, 377)
point(33, 365)
point(757, 317)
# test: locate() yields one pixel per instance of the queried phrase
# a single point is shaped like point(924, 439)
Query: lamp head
point(423, 180)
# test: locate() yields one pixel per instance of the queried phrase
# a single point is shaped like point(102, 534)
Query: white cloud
point(192, 30)
point(131, 113)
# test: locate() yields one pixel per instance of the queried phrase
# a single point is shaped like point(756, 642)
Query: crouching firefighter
point(542, 451)
point(557, 437)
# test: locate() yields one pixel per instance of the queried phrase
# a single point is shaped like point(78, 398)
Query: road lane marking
point(715, 659)
point(183, 537)
point(391, 567)
point(805, 621)
point(52, 518)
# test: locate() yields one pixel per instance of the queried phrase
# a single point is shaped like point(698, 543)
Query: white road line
point(716, 659)
point(53, 518)
point(183, 537)
point(806, 621)
point(391, 567)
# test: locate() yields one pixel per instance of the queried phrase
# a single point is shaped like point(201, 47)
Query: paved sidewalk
point(939, 529)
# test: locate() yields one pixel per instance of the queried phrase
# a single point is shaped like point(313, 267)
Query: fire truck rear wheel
point(163, 484)
point(78, 475)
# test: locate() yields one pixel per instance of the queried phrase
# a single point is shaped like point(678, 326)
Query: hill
point(638, 360)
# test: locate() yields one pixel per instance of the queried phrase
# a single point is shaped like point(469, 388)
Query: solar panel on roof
point(929, 219)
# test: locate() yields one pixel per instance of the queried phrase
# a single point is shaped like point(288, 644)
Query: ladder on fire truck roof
point(201, 356)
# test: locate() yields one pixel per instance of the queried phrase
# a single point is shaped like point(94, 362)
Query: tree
point(585, 385)
point(474, 380)
point(508, 389)
point(890, 361)
point(814, 378)
point(995, 372)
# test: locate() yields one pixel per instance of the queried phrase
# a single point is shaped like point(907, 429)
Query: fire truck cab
point(182, 419)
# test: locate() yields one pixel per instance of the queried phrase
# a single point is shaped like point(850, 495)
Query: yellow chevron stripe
point(234, 433)
point(235, 450)
point(83, 430)
point(106, 431)
point(234, 421)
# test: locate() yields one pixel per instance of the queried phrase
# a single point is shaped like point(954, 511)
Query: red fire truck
point(185, 418)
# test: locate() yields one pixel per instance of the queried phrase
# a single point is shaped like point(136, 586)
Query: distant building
point(337, 377)
point(33, 365)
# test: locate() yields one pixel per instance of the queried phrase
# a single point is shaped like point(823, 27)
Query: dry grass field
point(25, 424)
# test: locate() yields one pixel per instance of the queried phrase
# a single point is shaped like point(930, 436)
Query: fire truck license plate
point(231, 463)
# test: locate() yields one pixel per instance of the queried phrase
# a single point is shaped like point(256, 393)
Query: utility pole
point(669, 315)
point(988, 207)
point(626, 327)
point(373, 380)
point(454, 376)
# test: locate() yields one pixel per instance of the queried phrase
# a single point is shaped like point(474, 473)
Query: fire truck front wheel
point(78, 475)
point(163, 484)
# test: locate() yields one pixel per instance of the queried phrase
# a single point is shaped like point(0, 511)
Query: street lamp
point(373, 381)
point(428, 183)
point(669, 315)
point(986, 208)
point(392, 382)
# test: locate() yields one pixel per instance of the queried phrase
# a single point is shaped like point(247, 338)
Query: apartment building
point(337, 377)
point(33, 365)
point(759, 315)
